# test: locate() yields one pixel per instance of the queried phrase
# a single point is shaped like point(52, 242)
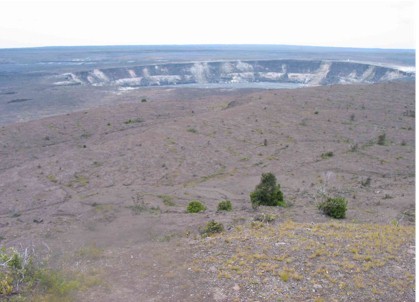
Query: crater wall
point(307, 72)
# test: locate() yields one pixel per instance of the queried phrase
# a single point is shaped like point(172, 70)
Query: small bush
point(15, 268)
point(381, 139)
point(334, 207)
point(327, 155)
point(225, 205)
point(366, 182)
point(354, 148)
point(267, 192)
point(195, 206)
point(211, 228)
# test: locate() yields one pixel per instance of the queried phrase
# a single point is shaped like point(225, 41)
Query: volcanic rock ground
point(104, 191)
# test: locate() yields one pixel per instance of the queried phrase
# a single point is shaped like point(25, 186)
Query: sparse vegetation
point(334, 207)
point(78, 181)
point(381, 139)
point(335, 259)
point(23, 280)
point(366, 182)
point(303, 122)
point(409, 113)
point(90, 252)
point(212, 228)
point(354, 147)
point(134, 120)
point(14, 270)
point(327, 155)
point(192, 130)
point(52, 178)
point(195, 206)
point(266, 218)
point(167, 200)
point(224, 205)
point(140, 206)
point(267, 192)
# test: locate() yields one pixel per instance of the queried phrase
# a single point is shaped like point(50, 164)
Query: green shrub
point(334, 207)
point(195, 206)
point(327, 155)
point(225, 205)
point(267, 192)
point(211, 228)
point(381, 139)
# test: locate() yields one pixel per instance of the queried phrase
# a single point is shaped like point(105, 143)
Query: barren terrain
point(102, 194)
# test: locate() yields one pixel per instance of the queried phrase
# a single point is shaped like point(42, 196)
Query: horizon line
point(207, 44)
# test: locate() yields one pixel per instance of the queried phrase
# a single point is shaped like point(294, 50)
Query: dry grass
point(304, 262)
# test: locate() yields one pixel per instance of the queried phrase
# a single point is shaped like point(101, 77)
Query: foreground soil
point(102, 194)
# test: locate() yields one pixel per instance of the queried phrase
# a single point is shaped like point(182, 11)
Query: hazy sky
point(363, 23)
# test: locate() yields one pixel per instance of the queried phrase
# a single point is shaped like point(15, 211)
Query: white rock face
point(68, 79)
point(146, 73)
point(100, 75)
point(242, 66)
point(132, 73)
point(368, 74)
point(320, 75)
point(128, 81)
point(200, 71)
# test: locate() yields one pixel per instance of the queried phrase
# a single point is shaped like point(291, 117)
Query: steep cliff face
point(308, 72)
